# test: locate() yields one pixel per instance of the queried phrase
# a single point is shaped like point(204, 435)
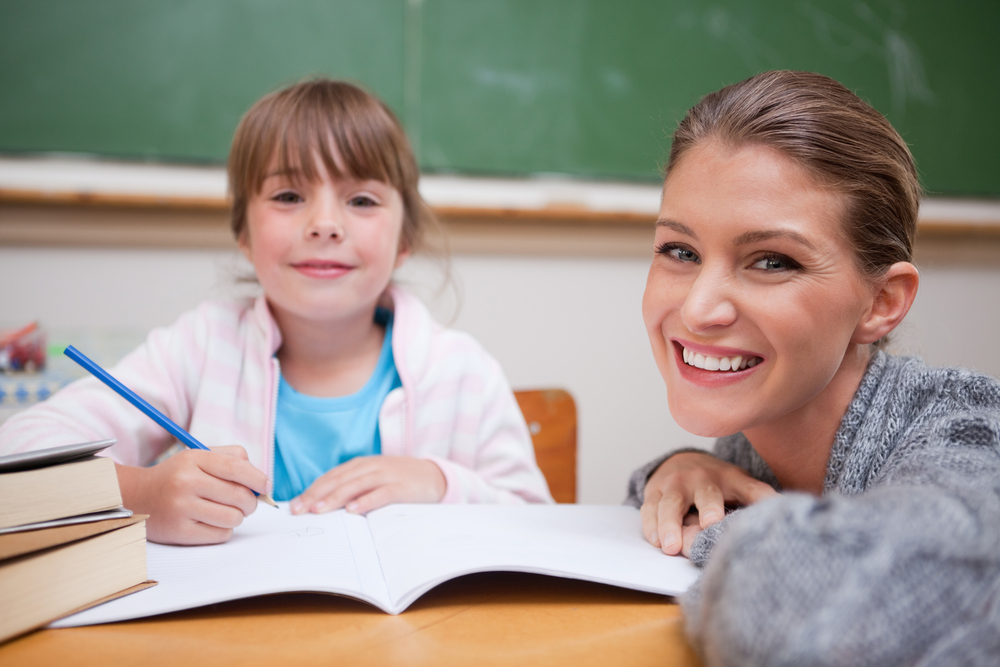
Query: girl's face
point(324, 250)
point(751, 272)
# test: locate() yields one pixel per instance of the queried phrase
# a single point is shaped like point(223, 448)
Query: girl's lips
point(321, 269)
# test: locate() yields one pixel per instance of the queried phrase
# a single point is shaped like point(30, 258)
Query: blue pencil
point(145, 407)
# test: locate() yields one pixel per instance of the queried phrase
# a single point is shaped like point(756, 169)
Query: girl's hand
point(701, 480)
point(366, 483)
point(194, 497)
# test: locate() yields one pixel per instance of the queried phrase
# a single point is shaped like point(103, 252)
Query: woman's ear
point(893, 296)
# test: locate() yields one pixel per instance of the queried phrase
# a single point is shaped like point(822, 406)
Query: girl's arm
point(497, 465)
point(472, 446)
point(165, 370)
point(366, 483)
point(87, 410)
point(899, 574)
point(193, 497)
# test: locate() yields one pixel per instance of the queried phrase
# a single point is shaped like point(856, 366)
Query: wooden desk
point(486, 619)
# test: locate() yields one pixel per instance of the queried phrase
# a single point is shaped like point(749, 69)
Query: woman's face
point(753, 297)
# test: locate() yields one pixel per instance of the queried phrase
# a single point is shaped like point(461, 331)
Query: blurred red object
point(22, 349)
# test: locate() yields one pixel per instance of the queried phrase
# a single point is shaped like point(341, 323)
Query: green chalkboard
point(581, 87)
point(169, 79)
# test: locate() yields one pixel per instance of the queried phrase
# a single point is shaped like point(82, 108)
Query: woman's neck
point(328, 358)
point(797, 446)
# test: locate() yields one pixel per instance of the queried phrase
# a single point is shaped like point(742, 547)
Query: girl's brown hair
point(845, 143)
point(351, 132)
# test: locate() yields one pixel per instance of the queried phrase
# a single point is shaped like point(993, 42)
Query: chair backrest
point(551, 417)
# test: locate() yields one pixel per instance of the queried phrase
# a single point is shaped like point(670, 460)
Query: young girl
point(783, 260)
point(336, 388)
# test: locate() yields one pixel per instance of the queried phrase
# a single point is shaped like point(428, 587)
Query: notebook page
point(366, 561)
point(421, 546)
point(271, 552)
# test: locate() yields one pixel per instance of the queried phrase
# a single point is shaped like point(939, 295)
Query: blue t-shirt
point(313, 435)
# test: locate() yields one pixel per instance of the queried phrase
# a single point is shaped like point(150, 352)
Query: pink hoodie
point(214, 372)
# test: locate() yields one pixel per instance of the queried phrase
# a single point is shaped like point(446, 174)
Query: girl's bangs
point(346, 145)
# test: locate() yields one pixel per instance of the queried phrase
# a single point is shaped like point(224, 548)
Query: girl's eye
point(775, 263)
point(362, 201)
point(287, 197)
point(678, 252)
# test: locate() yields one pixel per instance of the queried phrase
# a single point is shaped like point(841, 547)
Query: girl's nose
point(326, 222)
point(710, 301)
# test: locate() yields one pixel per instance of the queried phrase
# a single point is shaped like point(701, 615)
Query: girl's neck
point(797, 446)
point(328, 358)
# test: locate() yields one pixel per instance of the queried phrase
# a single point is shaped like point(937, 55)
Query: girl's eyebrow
point(281, 172)
point(768, 234)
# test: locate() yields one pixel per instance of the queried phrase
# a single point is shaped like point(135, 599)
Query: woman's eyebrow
point(678, 227)
point(768, 234)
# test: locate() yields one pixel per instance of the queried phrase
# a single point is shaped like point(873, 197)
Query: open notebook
point(396, 554)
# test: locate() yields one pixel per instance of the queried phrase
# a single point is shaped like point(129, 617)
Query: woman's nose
point(710, 302)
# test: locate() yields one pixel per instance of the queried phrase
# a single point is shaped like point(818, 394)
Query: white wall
point(552, 322)
point(955, 320)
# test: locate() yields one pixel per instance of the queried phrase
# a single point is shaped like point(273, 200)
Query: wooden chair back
point(551, 417)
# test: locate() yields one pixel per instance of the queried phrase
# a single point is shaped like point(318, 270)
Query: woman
point(783, 261)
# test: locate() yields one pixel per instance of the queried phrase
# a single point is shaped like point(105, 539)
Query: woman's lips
point(713, 366)
point(321, 269)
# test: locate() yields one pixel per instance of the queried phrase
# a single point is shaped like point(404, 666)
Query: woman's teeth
point(707, 363)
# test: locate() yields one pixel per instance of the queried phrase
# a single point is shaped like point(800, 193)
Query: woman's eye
point(775, 263)
point(678, 252)
point(362, 201)
point(287, 197)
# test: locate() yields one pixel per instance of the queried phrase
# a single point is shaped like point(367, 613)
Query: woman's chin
point(708, 432)
point(704, 422)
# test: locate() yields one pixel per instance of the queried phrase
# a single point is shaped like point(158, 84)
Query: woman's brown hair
point(350, 131)
point(840, 139)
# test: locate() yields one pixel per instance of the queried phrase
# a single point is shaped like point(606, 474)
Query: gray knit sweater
point(898, 563)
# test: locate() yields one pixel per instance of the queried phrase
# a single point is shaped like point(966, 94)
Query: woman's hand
point(693, 479)
point(366, 483)
point(194, 497)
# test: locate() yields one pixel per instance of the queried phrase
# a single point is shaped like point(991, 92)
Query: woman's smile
point(711, 366)
point(712, 358)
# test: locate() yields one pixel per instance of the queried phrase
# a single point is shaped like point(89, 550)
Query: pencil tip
point(267, 500)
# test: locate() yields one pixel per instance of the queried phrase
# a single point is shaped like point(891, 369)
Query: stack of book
point(66, 542)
